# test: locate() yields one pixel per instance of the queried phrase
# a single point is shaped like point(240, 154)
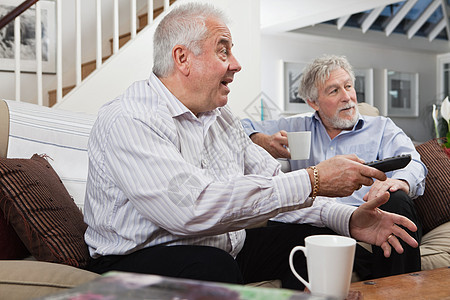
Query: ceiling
point(419, 24)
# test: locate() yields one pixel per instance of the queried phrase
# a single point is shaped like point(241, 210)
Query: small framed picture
point(364, 85)
point(292, 73)
point(402, 96)
point(28, 37)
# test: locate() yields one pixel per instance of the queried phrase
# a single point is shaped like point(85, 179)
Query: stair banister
point(59, 85)
point(116, 27)
point(99, 34)
point(38, 37)
point(17, 55)
point(149, 12)
point(16, 12)
point(77, 42)
point(133, 18)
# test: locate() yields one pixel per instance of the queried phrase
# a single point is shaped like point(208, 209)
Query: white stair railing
point(99, 34)
point(59, 84)
point(150, 12)
point(133, 18)
point(77, 40)
point(116, 27)
point(38, 37)
point(17, 40)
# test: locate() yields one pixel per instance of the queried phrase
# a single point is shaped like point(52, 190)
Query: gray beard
point(340, 123)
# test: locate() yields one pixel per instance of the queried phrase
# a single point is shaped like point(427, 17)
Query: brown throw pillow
point(433, 207)
point(11, 247)
point(41, 211)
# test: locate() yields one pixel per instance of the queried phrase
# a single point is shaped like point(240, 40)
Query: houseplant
point(445, 126)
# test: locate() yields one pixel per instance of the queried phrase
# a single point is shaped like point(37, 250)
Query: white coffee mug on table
point(329, 260)
point(299, 144)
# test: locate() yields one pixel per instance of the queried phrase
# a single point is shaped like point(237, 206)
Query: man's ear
point(180, 58)
point(312, 104)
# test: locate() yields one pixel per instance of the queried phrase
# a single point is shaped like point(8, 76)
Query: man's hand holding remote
point(341, 175)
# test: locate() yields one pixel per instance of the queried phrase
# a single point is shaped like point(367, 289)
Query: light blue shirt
point(370, 139)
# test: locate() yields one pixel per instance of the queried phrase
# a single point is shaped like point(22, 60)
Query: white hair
point(184, 25)
point(318, 72)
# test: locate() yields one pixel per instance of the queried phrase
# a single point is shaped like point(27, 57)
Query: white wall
point(295, 47)
point(245, 31)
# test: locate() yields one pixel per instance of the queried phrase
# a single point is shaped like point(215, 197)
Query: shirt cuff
point(248, 127)
point(293, 188)
point(336, 216)
point(410, 179)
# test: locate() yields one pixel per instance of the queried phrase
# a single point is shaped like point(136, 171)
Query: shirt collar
point(175, 106)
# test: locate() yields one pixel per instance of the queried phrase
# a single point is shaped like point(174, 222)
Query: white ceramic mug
point(299, 144)
point(329, 260)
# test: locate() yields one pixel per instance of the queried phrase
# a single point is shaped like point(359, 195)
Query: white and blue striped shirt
point(160, 175)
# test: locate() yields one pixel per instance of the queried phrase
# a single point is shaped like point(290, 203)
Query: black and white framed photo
point(28, 37)
point(292, 73)
point(402, 96)
point(364, 85)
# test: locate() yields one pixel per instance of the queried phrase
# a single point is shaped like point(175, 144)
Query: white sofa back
point(59, 134)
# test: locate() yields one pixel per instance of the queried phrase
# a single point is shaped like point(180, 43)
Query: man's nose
point(346, 95)
point(234, 64)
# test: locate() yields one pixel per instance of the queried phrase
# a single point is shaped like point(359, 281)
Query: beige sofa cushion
point(4, 128)
point(435, 248)
point(368, 110)
point(30, 279)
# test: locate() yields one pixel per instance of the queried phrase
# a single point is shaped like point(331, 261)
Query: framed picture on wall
point(364, 85)
point(292, 73)
point(28, 37)
point(402, 96)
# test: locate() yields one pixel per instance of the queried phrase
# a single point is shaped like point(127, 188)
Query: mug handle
point(291, 264)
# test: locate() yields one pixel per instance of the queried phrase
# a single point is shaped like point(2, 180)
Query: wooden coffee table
point(431, 284)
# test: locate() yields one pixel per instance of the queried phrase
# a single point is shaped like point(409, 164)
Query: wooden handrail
point(16, 12)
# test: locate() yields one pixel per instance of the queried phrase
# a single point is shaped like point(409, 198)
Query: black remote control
point(390, 163)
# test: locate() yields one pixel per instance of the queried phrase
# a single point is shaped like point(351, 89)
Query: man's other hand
point(372, 225)
point(275, 144)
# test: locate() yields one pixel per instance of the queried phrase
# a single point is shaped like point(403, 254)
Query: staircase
point(88, 67)
point(68, 20)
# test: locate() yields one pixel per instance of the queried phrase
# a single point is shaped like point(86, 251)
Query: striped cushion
point(62, 135)
point(433, 206)
point(40, 209)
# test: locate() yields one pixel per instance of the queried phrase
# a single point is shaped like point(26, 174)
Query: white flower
point(445, 109)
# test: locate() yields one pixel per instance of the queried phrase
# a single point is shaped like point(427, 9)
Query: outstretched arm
point(372, 225)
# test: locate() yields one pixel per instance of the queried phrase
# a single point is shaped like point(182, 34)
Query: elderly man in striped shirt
point(174, 181)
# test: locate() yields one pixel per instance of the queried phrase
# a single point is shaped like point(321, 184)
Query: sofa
point(43, 170)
